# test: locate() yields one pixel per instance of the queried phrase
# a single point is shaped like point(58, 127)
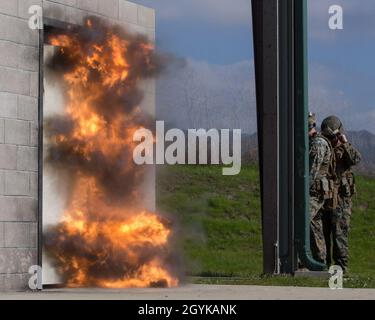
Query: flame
point(100, 243)
point(118, 237)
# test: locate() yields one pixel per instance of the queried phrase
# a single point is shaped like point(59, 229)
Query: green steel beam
point(301, 181)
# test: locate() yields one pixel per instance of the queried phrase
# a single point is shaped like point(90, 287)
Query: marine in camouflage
point(321, 155)
point(337, 222)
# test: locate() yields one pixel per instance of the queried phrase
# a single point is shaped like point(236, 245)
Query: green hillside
point(219, 223)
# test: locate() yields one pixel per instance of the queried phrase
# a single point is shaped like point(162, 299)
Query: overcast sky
point(342, 70)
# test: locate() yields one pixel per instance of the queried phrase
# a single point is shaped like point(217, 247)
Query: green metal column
point(301, 180)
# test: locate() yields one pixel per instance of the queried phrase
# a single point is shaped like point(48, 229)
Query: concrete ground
point(197, 292)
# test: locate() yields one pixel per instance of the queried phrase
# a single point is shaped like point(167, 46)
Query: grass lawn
point(220, 227)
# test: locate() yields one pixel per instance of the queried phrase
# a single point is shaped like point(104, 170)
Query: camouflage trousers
point(317, 239)
point(336, 225)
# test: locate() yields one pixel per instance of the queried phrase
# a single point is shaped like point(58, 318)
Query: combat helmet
point(312, 121)
point(331, 127)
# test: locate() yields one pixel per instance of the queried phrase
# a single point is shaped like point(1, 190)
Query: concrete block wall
point(19, 63)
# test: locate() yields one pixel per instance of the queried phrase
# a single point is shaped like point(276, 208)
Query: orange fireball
point(103, 239)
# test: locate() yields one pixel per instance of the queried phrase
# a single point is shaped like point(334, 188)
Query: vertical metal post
point(302, 218)
point(286, 135)
point(265, 26)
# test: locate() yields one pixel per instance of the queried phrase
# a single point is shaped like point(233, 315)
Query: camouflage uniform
point(337, 222)
point(321, 191)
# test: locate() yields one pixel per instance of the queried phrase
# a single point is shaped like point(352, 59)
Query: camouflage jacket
point(321, 159)
point(346, 156)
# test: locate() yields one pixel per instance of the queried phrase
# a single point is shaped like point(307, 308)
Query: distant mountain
point(364, 141)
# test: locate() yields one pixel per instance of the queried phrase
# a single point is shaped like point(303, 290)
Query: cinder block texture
point(74, 15)
point(89, 5)
point(33, 235)
point(17, 132)
point(15, 282)
point(146, 17)
point(33, 185)
point(14, 81)
point(18, 209)
point(27, 158)
point(27, 108)
point(9, 54)
point(53, 10)
point(16, 30)
point(109, 8)
point(2, 237)
point(17, 183)
point(34, 132)
point(16, 235)
point(34, 84)
point(28, 58)
point(128, 12)
point(8, 105)
point(9, 7)
point(8, 157)
point(18, 56)
point(14, 260)
point(2, 130)
point(72, 3)
point(2, 184)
